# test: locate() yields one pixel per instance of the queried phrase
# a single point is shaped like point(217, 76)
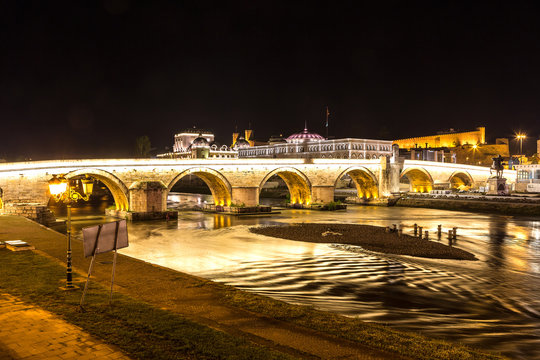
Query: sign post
point(101, 239)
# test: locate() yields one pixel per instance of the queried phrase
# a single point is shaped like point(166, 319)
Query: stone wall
point(445, 140)
point(143, 216)
point(37, 212)
point(508, 207)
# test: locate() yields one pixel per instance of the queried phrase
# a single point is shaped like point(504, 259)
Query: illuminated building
point(467, 147)
point(527, 178)
point(197, 144)
point(306, 144)
point(446, 139)
point(184, 139)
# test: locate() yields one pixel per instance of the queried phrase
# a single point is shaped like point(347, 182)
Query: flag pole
point(327, 113)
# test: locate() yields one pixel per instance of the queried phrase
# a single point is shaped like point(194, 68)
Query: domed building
point(303, 137)
point(308, 144)
point(197, 144)
point(199, 141)
point(241, 143)
point(200, 148)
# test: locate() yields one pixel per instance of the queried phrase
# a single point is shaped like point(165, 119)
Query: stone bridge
point(142, 185)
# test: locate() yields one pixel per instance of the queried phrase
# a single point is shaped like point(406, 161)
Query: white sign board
point(105, 237)
point(533, 188)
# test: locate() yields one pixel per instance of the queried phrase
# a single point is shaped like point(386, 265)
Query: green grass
point(140, 330)
point(408, 344)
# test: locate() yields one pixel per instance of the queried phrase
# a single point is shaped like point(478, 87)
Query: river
point(493, 303)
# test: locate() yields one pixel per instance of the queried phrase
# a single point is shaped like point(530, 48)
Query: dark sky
point(85, 78)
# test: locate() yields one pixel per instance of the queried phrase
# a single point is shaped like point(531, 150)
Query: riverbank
point(290, 330)
point(507, 207)
point(372, 238)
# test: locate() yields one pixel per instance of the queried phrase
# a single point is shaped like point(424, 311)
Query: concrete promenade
point(28, 332)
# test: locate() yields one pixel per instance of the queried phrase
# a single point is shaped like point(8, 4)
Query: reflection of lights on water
point(535, 231)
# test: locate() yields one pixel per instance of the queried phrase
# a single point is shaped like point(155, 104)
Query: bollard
point(415, 230)
point(426, 237)
point(439, 231)
point(454, 233)
point(400, 232)
point(450, 237)
point(420, 232)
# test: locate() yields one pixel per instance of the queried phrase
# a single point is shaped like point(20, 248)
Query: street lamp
point(520, 137)
point(475, 146)
point(65, 190)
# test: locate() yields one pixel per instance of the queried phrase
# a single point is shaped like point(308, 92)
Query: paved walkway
point(28, 332)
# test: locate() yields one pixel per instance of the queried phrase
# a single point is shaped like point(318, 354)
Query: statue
point(497, 166)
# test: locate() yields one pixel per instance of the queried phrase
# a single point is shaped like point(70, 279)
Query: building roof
point(305, 135)
point(241, 143)
point(199, 141)
point(195, 131)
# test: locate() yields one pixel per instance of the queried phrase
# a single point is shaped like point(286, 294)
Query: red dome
point(304, 136)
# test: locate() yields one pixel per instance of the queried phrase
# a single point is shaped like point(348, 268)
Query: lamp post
point(520, 137)
point(63, 189)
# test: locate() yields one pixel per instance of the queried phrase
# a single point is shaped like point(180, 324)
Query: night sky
point(84, 78)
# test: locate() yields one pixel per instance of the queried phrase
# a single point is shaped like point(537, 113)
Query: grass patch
point(139, 329)
point(408, 344)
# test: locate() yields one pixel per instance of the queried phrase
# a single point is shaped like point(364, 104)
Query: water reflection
point(491, 303)
point(497, 234)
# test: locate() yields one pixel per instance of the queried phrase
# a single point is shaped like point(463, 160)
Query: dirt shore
point(372, 238)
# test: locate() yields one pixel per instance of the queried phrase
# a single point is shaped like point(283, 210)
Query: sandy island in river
point(372, 238)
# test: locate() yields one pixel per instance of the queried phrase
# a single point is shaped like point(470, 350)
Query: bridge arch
point(420, 179)
point(365, 181)
point(117, 188)
point(217, 183)
point(297, 182)
point(461, 179)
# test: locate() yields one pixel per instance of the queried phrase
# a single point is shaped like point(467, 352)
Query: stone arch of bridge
point(365, 181)
point(297, 182)
point(420, 179)
point(217, 183)
point(117, 188)
point(461, 180)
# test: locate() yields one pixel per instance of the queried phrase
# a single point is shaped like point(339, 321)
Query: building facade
point(184, 139)
point(445, 139)
point(528, 178)
point(311, 145)
point(197, 144)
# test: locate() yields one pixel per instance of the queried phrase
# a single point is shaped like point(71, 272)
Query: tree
point(143, 146)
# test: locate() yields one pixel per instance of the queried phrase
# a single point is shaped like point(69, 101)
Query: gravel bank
point(372, 238)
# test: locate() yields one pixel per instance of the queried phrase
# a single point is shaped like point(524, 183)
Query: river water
point(493, 303)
